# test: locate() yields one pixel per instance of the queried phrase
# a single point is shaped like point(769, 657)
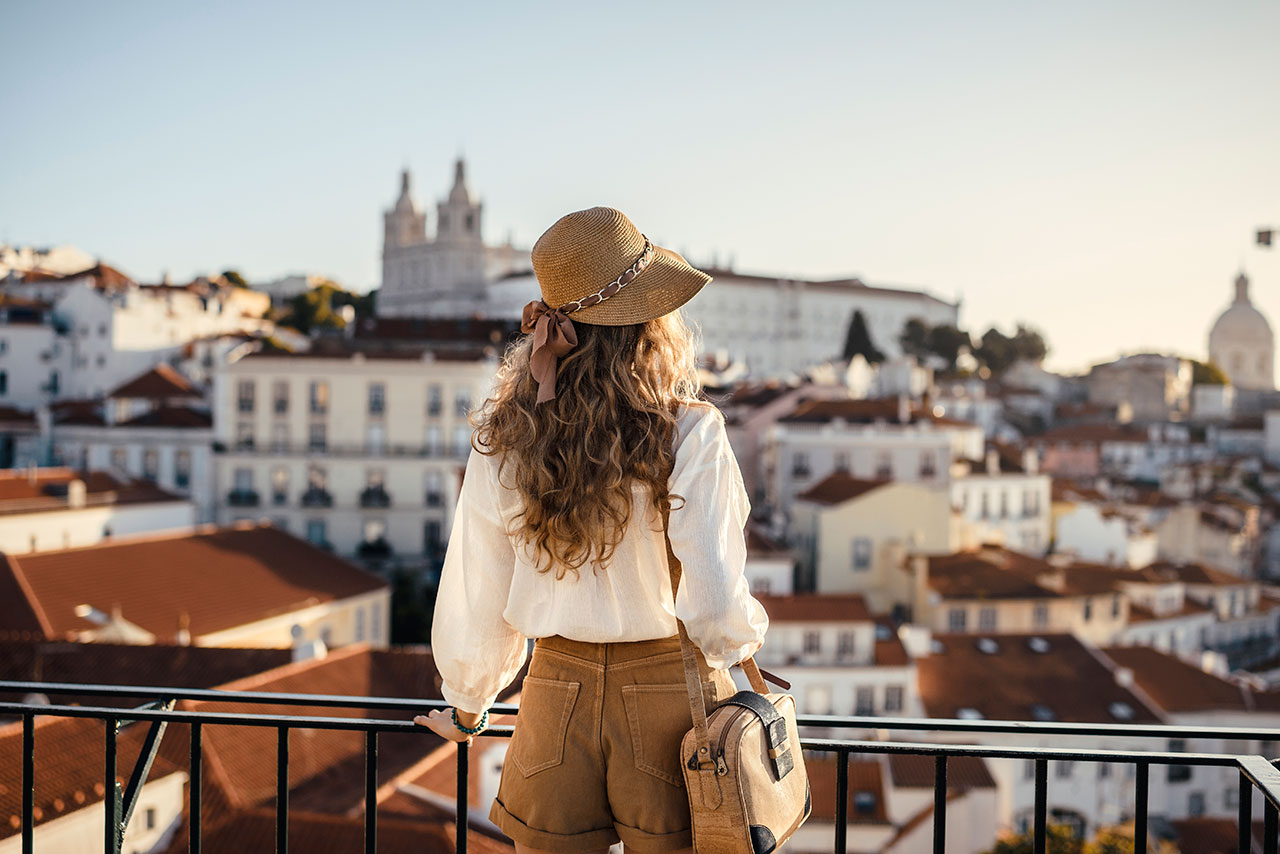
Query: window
point(956, 619)
point(244, 435)
point(1115, 607)
point(280, 436)
point(316, 532)
point(812, 641)
point(893, 698)
point(244, 396)
point(1028, 769)
point(243, 479)
point(316, 478)
point(1088, 610)
point(1040, 616)
point(182, 469)
point(151, 464)
point(377, 398)
point(462, 402)
point(842, 461)
point(1195, 804)
point(884, 466)
point(1062, 768)
point(1178, 773)
point(928, 465)
point(462, 440)
point(279, 485)
point(864, 701)
point(431, 546)
point(120, 459)
point(433, 440)
point(319, 397)
point(985, 512)
point(1004, 504)
point(987, 619)
point(151, 811)
point(280, 397)
point(1104, 770)
point(435, 489)
point(434, 398)
point(864, 803)
point(800, 464)
point(761, 586)
point(359, 625)
point(317, 436)
point(4, 382)
point(862, 553)
point(375, 621)
point(845, 644)
point(376, 438)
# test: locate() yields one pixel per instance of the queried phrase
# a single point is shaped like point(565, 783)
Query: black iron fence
point(1255, 773)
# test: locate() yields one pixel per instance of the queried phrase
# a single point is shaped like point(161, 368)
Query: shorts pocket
point(542, 723)
point(658, 716)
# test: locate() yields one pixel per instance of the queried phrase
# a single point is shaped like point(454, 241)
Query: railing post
point(940, 804)
point(28, 781)
point(1246, 814)
point(1140, 808)
point(842, 801)
point(1042, 801)
point(282, 790)
point(112, 838)
point(1270, 828)
point(463, 790)
point(370, 791)
point(197, 765)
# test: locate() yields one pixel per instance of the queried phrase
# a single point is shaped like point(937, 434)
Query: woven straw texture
point(586, 250)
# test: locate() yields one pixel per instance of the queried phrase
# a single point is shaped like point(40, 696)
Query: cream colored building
point(1242, 344)
point(359, 452)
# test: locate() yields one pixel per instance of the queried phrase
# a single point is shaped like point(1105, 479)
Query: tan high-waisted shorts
point(595, 754)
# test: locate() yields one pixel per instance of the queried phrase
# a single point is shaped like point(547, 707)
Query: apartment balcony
point(375, 496)
point(242, 498)
point(383, 715)
point(348, 449)
point(316, 497)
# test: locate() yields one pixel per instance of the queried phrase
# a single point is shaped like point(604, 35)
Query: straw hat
point(586, 250)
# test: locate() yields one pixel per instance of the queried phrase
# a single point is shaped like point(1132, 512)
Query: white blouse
point(491, 598)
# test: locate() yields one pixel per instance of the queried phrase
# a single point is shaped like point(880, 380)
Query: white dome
point(1241, 342)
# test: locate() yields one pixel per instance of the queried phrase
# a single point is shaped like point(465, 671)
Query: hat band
point(553, 332)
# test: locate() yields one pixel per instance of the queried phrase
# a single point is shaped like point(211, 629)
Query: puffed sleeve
point(708, 535)
point(476, 651)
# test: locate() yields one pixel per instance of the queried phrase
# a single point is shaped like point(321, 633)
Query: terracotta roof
point(1091, 434)
point(1205, 835)
point(321, 349)
point(171, 416)
point(760, 544)
point(859, 411)
point(160, 383)
point(1165, 572)
point(1014, 681)
point(222, 578)
point(12, 416)
point(44, 490)
point(864, 779)
point(815, 607)
point(465, 331)
point(78, 413)
point(158, 665)
point(758, 394)
point(69, 767)
point(913, 771)
point(1064, 490)
point(100, 275)
point(889, 651)
point(1141, 614)
point(989, 573)
point(839, 487)
point(1178, 686)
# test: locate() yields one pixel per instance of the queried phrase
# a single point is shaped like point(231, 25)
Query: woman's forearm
point(469, 719)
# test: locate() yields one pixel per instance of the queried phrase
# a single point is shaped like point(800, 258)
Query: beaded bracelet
point(484, 722)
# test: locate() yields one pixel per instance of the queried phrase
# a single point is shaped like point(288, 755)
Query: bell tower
point(404, 224)
point(458, 216)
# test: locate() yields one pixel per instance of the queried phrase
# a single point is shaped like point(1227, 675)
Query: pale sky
point(1095, 169)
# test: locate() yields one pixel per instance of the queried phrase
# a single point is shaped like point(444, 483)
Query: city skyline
point(1094, 172)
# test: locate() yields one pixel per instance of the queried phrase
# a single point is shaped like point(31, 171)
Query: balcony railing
point(242, 498)
point(375, 496)
point(1254, 772)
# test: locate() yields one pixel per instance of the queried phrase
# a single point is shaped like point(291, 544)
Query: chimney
point(993, 461)
point(76, 493)
point(184, 629)
point(1030, 461)
point(919, 587)
point(904, 409)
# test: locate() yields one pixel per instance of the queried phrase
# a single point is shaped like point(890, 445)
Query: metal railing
point(1254, 772)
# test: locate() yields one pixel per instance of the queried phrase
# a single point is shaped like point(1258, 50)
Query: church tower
point(404, 224)
point(458, 217)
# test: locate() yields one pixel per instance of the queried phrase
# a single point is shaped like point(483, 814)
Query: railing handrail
point(816, 721)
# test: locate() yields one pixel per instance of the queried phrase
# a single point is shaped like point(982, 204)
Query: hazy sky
point(1093, 168)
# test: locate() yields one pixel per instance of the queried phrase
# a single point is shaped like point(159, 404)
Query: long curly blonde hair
point(612, 424)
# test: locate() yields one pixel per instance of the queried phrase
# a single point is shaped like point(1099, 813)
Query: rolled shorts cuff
point(644, 842)
point(587, 840)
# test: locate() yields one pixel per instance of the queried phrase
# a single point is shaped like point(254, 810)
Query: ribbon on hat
point(554, 333)
point(553, 336)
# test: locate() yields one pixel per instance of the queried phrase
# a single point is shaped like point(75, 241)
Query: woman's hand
point(440, 721)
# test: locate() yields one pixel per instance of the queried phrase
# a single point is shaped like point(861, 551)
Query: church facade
point(1242, 344)
point(448, 273)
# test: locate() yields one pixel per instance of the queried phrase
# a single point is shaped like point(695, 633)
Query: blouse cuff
point(465, 702)
point(731, 657)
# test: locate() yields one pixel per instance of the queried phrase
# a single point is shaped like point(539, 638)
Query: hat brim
point(666, 284)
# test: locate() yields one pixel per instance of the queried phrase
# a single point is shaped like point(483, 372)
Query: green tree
point(946, 342)
point(1207, 373)
point(319, 308)
point(1059, 839)
point(996, 351)
point(234, 277)
point(857, 341)
point(1029, 344)
point(914, 338)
